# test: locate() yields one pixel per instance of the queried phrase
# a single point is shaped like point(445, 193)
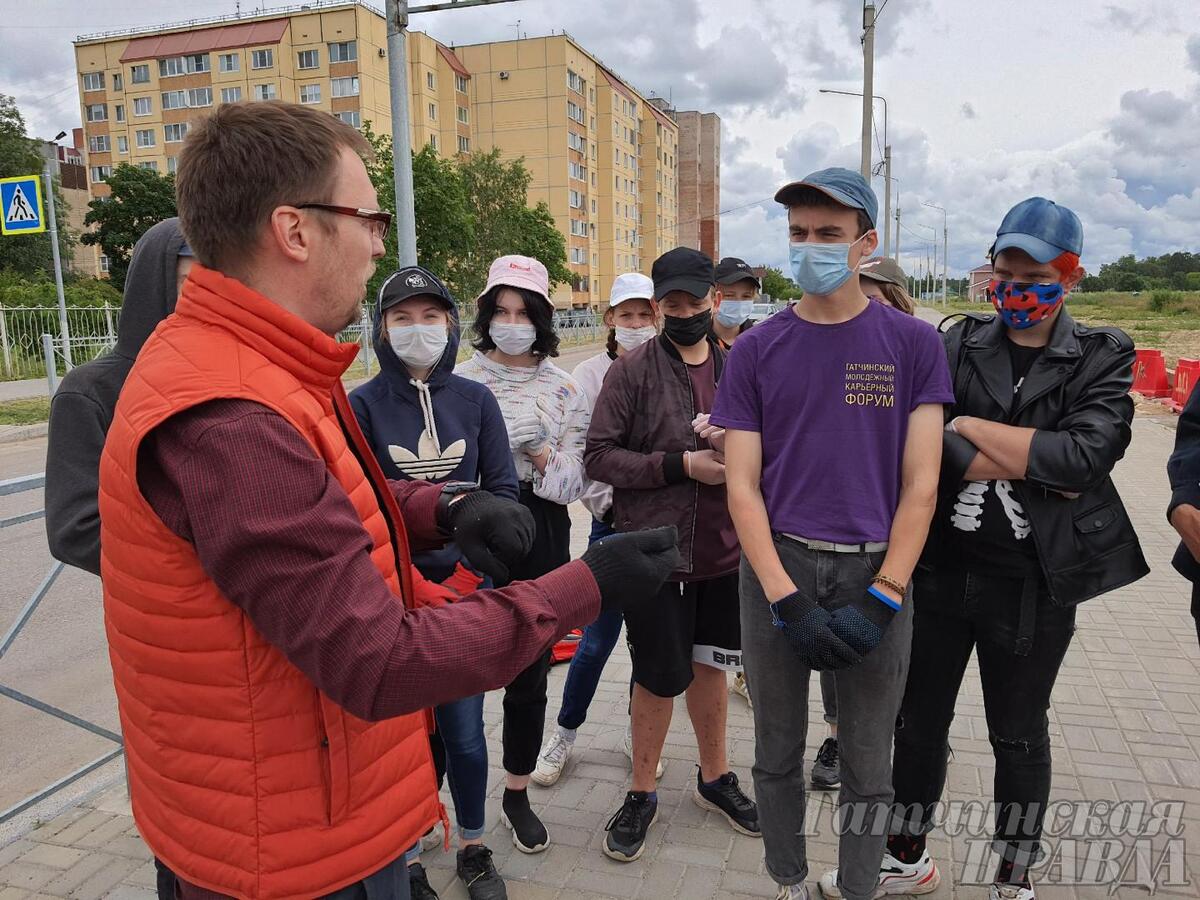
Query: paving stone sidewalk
point(1125, 727)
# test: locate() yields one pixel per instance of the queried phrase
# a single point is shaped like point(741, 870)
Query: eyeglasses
point(380, 221)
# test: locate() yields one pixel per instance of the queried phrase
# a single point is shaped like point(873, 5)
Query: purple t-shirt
point(832, 404)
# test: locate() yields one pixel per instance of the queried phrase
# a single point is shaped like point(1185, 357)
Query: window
point(141, 106)
point(344, 51)
point(231, 95)
point(576, 200)
point(351, 117)
point(150, 164)
point(593, 178)
point(101, 143)
point(230, 62)
point(578, 255)
point(574, 112)
point(174, 99)
point(616, 182)
point(264, 92)
point(183, 65)
point(93, 81)
point(464, 144)
point(430, 81)
point(433, 112)
point(97, 112)
point(103, 258)
point(460, 83)
point(310, 93)
point(574, 82)
point(119, 109)
point(308, 59)
point(576, 171)
point(579, 228)
point(593, 206)
point(172, 164)
point(576, 141)
point(345, 87)
point(433, 141)
point(464, 115)
point(145, 137)
point(118, 82)
point(101, 173)
point(173, 134)
point(122, 144)
point(200, 97)
point(262, 59)
point(140, 74)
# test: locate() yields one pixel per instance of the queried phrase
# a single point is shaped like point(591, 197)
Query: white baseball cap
point(630, 286)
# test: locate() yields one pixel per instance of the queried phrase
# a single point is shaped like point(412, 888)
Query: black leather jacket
point(1077, 396)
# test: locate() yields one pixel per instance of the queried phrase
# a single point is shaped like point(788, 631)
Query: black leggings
point(525, 696)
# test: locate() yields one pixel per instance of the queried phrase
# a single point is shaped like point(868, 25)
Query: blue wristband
point(883, 598)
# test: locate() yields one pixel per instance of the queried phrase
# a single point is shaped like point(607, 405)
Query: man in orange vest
point(272, 646)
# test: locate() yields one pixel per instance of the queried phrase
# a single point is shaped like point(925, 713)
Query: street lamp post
point(888, 247)
point(945, 252)
point(868, 42)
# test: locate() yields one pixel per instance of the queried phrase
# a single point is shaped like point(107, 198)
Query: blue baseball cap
point(842, 185)
point(1041, 228)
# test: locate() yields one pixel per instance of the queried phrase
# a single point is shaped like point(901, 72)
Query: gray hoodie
point(82, 408)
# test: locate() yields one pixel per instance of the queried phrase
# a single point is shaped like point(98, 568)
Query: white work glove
point(528, 433)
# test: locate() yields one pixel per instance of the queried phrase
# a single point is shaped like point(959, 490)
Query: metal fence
point(18, 486)
point(93, 331)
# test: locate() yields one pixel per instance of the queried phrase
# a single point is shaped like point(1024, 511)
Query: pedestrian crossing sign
point(21, 210)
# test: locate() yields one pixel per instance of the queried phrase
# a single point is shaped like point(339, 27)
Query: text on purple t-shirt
point(831, 403)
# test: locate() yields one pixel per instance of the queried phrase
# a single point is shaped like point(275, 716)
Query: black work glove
point(493, 533)
point(862, 623)
point(806, 626)
point(630, 568)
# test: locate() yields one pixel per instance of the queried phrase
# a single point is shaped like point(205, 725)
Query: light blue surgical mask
point(820, 268)
point(734, 312)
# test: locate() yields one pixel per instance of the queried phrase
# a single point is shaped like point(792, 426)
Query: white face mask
point(512, 340)
point(418, 346)
point(630, 338)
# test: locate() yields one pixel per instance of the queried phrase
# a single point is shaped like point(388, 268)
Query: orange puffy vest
point(244, 778)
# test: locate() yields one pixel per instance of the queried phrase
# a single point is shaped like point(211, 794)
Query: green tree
point(138, 199)
point(1091, 284)
point(778, 287)
point(27, 255)
point(496, 193)
point(445, 225)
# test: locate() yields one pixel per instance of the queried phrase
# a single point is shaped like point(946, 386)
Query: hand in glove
point(806, 626)
point(493, 533)
point(528, 432)
point(863, 622)
point(630, 568)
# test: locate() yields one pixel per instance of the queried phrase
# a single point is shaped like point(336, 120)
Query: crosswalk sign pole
point(58, 281)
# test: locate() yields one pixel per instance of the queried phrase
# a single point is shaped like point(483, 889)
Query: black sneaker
point(827, 770)
point(627, 828)
point(418, 883)
point(727, 799)
point(479, 875)
point(529, 834)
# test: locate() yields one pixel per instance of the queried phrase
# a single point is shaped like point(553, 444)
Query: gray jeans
point(868, 696)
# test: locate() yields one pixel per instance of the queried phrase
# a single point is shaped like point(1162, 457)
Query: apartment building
point(593, 147)
point(140, 90)
point(700, 181)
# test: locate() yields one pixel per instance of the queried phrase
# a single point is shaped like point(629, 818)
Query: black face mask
point(688, 332)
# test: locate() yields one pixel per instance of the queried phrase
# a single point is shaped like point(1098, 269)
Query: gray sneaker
point(827, 769)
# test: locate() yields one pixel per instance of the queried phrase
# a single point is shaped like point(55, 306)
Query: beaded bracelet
point(887, 582)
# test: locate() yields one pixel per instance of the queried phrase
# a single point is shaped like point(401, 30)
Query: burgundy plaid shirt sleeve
point(279, 536)
point(418, 502)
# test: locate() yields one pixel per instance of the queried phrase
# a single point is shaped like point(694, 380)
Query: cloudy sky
point(1096, 105)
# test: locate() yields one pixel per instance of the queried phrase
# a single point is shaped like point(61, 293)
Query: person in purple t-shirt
point(833, 420)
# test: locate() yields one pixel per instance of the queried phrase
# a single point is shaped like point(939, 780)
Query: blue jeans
point(587, 665)
point(461, 726)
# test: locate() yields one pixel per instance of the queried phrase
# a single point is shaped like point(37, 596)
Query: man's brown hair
point(245, 160)
point(810, 197)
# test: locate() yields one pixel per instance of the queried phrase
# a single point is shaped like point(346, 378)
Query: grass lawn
point(25, 412)
point(1174, 328)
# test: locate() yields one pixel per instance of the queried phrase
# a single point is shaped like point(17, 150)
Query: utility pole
point(945, 251)
point(886, 164)
point(52, 221)
point(397, 12)
point(868, 42)
point(897, 228)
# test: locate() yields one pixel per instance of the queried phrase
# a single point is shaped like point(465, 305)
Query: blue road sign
point(21, 210)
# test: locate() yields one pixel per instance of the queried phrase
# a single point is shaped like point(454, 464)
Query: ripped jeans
point(953, 614)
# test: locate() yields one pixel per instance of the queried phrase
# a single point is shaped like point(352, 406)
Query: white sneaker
point(627, 746)
point(1010, 892)
point(895, 877)
point(738, 686)
point(792, 892)
point(553, 759)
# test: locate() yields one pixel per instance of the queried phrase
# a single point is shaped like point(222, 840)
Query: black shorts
point(691, 621)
